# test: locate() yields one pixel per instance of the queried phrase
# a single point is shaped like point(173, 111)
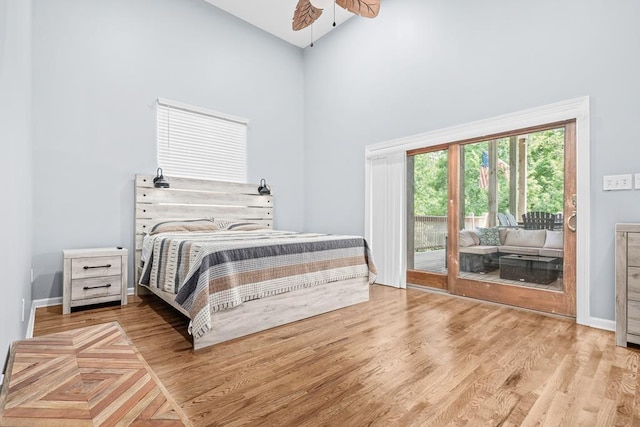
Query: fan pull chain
point(311, 26)
point(334, 13)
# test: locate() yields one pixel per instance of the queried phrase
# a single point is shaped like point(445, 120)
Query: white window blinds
point(198, 143)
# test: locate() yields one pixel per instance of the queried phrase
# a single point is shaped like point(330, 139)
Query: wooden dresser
point(93, 276)
point(627, 284)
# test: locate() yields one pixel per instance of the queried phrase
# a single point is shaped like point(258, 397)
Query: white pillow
point(554, 240)
point(526, 238)
point(467, 239)
point(503, 235)
point(475, 236)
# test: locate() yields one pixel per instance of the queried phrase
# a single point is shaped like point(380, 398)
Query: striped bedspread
point(220, 270)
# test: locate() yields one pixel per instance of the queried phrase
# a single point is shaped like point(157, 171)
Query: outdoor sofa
point(480, 250)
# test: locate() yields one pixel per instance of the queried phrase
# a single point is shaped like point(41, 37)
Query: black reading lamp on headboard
point(263, 188)
point(159, 181)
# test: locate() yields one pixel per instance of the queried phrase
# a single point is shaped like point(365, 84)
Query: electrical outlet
point(617, 182)
point(637, 179)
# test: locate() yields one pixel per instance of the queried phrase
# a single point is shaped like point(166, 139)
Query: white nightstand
point(93, 276)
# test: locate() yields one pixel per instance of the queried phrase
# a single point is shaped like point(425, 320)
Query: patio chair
point(538, 220)
point(502, 219)
point(507, 220)
point(559, 221)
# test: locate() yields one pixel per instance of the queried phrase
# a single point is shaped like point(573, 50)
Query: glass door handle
point(569, 226)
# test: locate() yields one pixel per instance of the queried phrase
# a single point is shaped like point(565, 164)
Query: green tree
point(430, 183)
point(545, 175)
point(545, 171)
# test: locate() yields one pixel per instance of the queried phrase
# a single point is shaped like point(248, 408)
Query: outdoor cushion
point(554, 240)
point(503, 234)
point(528, 238)
point(553, 253)
point(520, 250)
point(480, 250)
point(489, 236)
point(468, 239)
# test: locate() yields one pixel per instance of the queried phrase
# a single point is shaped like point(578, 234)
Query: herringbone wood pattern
point(84, 377)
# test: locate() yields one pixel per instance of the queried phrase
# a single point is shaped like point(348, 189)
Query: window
point(198, 143)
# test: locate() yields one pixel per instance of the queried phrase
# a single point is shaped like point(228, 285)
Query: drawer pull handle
point(86, 288)
point(86, 267)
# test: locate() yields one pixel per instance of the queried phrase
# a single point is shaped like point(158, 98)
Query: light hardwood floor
point(406, 357)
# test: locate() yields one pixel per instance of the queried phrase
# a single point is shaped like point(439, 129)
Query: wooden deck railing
point(430, 232)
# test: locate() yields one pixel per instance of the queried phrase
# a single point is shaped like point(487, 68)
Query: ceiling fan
point(306, 13)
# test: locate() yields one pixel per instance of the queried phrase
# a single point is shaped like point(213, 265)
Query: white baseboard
point(37, 303)
point(32, 320)
point(48, 302)
point(599, 323)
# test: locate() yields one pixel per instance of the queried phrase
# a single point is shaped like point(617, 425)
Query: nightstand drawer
point(95, 287)
point(95, 267)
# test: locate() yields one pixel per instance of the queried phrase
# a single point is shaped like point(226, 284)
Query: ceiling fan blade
point(305, 15)
point(366, 8)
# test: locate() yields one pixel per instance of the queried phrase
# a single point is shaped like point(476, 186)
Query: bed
point(213, 284)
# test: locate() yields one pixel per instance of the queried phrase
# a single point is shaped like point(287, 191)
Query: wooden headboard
point(193, 199)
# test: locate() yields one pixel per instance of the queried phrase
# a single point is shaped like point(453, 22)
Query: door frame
point(577, 109)
point(428, 279)
point(563, 302)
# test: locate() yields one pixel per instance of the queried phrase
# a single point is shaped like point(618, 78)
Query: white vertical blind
point(386, 216)
point(198, 143)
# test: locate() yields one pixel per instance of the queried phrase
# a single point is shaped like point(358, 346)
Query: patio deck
point(433, 262)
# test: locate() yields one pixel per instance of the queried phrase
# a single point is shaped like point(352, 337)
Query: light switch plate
point(617, 182)
point(637, 179)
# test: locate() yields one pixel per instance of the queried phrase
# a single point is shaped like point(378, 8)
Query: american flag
point(484, 171)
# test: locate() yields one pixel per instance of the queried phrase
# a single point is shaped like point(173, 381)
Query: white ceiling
point(276, 16)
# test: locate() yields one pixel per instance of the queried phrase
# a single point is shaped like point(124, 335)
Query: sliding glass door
point(505, 208)
point(427, 198)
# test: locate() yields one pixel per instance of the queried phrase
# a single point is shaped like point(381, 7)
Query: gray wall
point(99, 65)
point(15, 169)
point(422, 66)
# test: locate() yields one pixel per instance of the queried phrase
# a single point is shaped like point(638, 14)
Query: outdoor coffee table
point(524, 268)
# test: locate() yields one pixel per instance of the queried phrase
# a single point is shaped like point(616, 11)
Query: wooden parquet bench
point(92, 376)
